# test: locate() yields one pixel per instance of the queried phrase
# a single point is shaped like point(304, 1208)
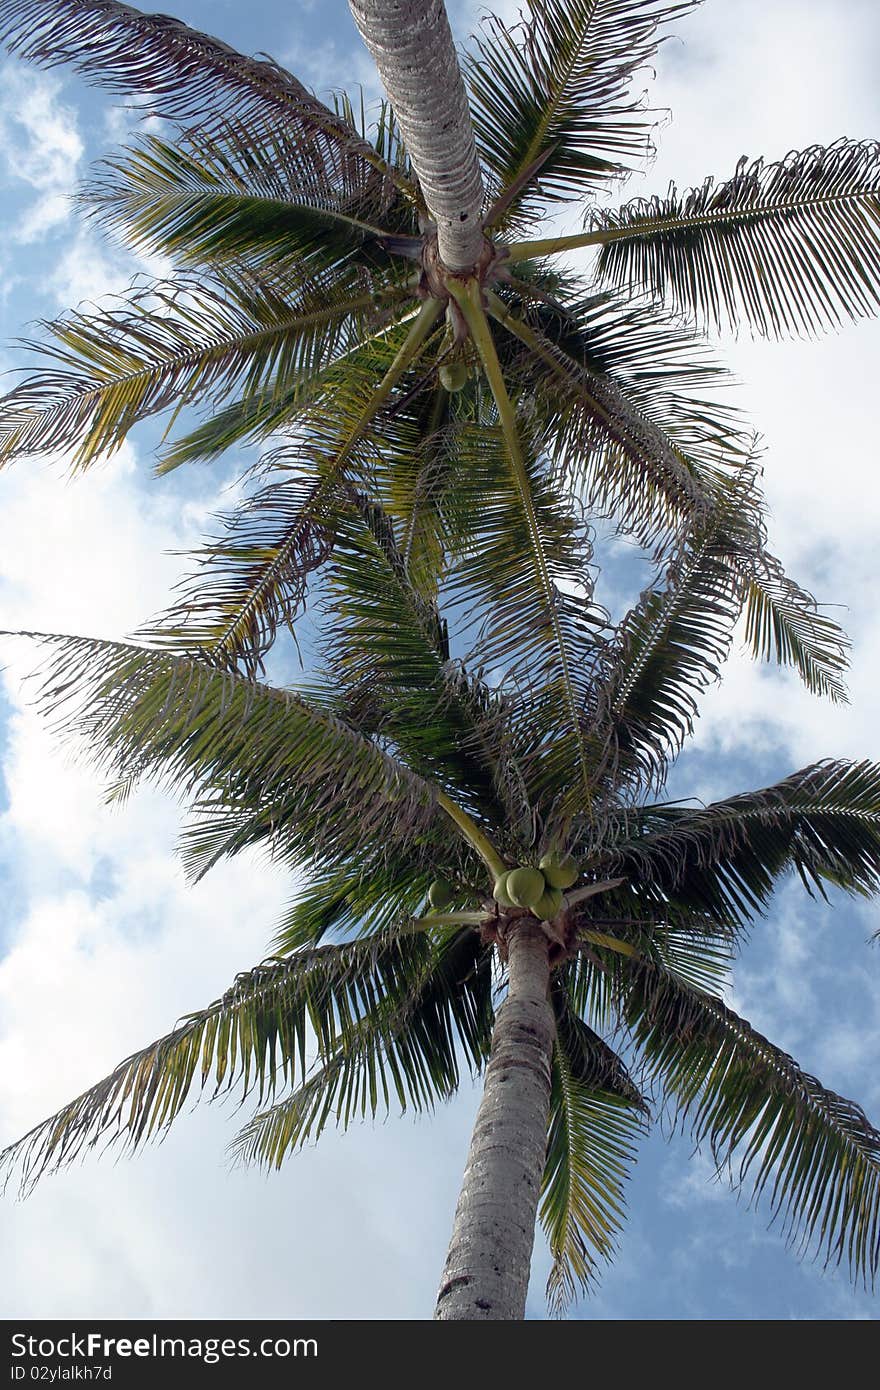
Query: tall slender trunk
point(486, 1276)
point(411, 44)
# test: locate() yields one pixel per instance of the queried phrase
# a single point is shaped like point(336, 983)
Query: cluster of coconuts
point(541, 889)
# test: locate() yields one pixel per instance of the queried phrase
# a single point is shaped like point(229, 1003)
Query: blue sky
point(102, 946)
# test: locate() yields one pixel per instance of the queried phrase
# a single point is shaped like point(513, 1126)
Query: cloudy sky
point(102, 946)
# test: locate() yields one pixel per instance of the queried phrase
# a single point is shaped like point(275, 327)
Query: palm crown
point(372, 1001)
point(307, 301)
point(438, 442)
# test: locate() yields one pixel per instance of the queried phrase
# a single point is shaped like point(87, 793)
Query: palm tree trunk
point(487, 1268)
point(411, 44)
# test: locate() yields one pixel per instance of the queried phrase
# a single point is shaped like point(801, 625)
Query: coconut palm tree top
point(398, 769)
point(446, 414)
point(310, 305)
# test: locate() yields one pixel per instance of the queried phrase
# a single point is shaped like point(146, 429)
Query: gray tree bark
point(486, 1276)
point(411, 44)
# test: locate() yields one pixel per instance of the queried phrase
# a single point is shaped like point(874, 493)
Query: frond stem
point(533, 341)
point(469, 297)
point(473, 834)
point(553, 246)
point(421, 326)
point(450, 919)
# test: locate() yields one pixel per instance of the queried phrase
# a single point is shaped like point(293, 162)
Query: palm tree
point(445, 409)
point(326, 284)
point(399, 773)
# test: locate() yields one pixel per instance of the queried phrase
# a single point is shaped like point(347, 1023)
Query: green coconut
point(453, 376)
point(499, 892)
point(440, 893)
point(525, 887)
point(560, 870)
point(549, 906)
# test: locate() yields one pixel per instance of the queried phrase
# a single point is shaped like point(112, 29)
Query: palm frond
point(368, 881)
point(174, 343)
point(403, 1050)
point(652, 922)
point(551, 98)
point(670, 647)
point(611, 382)
point(369, 895)
point(181, 74)
point(254, 577)
point(811, 1153)
point(597, 1116)
point(420, 479)
point(199, 731)
point(664, 373)
point(341, 345)
point(260, 1033)
point(783, 623)
point(726, 859)
point(787, 248)
point(246, 421)
point(235, 194)
point(388, 648)
point(525, 579)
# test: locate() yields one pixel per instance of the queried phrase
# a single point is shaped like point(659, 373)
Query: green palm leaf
point(259, 1033)
point(787, 248)
point(179, 73)
point(389, 649)
point(421, 491)
point(365, 883)
point(725, 859)
point(254, 577)
point(668, 648)
point(405, 1049)
point(635, 920)
point(664, 374)
point(335, 355)
point(146, 714)
point(551, 99)
point(618, 426)
point(672, 644)
point(169, 344)
point(596, 1118)
point(783, 623)
point(235, 194)
point(370, 895)
point(812, 1152)
point(245, 421)
point(525, 580)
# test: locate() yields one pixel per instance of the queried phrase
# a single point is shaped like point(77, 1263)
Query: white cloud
point(700, 1182)
point(40, 145)
point(88, 271)
point(87, 554)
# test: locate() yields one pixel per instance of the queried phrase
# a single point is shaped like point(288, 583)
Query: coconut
point(560, 870)
point(549, 906)
point(525, 887)
point(453, 376)
point(440, 893)
point(499, 892)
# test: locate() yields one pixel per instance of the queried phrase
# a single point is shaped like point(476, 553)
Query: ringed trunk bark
point(486, 1276)
point(411, 44)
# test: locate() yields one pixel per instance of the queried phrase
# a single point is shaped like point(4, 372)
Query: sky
point(103, 946)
